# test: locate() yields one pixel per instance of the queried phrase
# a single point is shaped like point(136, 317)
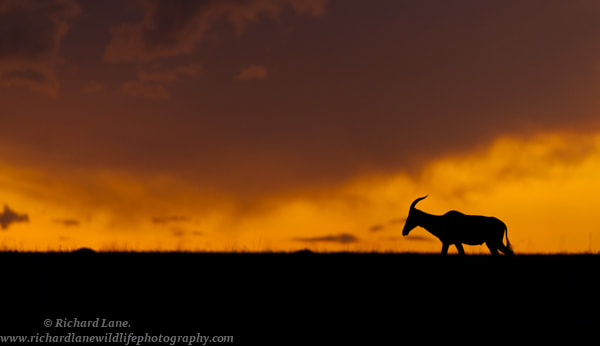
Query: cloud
point(169, 219)
point(190, 70)
point(92, 87)
point(509, 159)
point(157, 76)
point(67, 222)
point(9, 217)
point(36, 78)
point(376, 228)
point(29, 51)
point(175, 27)
point(342, 238)
point(147, 91)
point(418, 238)
point(179, 232)
point(252, 72)
point(149, 84)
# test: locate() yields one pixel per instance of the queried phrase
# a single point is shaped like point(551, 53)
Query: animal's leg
point(504, 249)
point(460, 249)
point(492, 248)
point(445, 248)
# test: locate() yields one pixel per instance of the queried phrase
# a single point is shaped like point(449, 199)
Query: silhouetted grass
point(303, 295)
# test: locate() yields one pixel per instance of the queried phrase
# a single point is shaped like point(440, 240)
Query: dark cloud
point(418, 238)
point(342, 238)
point(157, 77)
point(31, 35)
point(393, 87)
point(252, 72)
point(36, 77)
point(181, 232)
point(27, 75)
point(170, 219)
point(178, 232)
point(9, 216)
point(380, 227)
point(150, 84)
point(67, 222)
point(92, 87)
point(175, 27)
point(143, 90)
point(376, 228)
point(191, 69)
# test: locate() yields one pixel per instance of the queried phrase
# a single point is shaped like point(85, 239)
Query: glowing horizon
point(551, 214)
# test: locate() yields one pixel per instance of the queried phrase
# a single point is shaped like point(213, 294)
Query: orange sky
point(281, 124)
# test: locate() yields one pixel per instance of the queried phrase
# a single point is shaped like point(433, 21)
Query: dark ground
point(307, 298)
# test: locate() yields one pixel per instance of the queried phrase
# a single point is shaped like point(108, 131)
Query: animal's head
point(412, 219)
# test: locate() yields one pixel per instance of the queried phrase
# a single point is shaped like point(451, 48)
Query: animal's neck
point(429, 222)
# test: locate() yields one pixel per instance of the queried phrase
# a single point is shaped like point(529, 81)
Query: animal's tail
point(508, 246)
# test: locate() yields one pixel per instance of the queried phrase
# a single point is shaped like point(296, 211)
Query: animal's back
point(457, 218)
point(472, 229)
point(454, 213)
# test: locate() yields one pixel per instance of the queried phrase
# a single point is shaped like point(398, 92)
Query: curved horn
point(412, 206)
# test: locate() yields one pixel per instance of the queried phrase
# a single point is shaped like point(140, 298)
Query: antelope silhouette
point(457, 228)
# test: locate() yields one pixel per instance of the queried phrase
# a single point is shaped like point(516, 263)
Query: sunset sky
point(278, 125)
